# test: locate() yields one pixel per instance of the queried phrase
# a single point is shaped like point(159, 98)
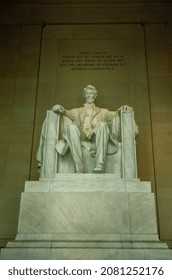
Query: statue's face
point(90, 95)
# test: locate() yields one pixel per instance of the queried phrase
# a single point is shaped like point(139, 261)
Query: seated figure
point(97, 130)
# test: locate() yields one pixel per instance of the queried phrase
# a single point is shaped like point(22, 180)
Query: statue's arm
point(110, 115)
point(116, 121)
point(67, 113)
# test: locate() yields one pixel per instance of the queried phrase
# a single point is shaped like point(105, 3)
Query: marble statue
point(92, 124)
point(88, 139)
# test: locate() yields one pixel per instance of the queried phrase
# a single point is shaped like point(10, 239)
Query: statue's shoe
point(98, 169)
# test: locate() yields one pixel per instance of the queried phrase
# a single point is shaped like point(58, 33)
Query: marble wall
point(19, 61)
point(22, 79)
point(159, 59)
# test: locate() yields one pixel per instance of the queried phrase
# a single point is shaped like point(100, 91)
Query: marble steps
point(88, 244)
point(114, 241)
point(88, 247)
point(79, 253)
point(88, 240)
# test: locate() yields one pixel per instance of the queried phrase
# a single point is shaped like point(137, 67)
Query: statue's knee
point(102, 125)
point(72, 128)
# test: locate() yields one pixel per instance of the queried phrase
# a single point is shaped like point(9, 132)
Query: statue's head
point(90, 93)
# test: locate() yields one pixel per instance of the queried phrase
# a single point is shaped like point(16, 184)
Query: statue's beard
point(90, 100)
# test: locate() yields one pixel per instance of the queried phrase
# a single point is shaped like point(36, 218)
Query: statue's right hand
point(58, 108)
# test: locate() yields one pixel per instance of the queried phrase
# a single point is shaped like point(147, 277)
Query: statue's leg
point(73, 138)
point(101, 132)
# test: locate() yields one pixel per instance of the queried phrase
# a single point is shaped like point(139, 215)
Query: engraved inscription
point(92, 60)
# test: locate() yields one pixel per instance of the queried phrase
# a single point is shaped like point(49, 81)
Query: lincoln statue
point(93, 124)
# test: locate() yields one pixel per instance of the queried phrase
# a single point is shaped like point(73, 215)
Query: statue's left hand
point(125, 109)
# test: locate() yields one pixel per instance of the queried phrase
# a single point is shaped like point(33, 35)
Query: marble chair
point(121, 162)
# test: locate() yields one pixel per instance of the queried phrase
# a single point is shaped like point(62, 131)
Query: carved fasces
point(50, 136)
point(128, 134)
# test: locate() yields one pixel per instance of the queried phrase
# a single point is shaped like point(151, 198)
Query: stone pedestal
point(87, 216)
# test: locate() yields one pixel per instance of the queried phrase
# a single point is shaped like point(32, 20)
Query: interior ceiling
point(63, 2)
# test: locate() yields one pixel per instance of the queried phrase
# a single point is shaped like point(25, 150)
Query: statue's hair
point(89, 86)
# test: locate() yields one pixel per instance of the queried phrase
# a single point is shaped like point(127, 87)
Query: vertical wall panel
point(19, 61)
point(158, 45)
